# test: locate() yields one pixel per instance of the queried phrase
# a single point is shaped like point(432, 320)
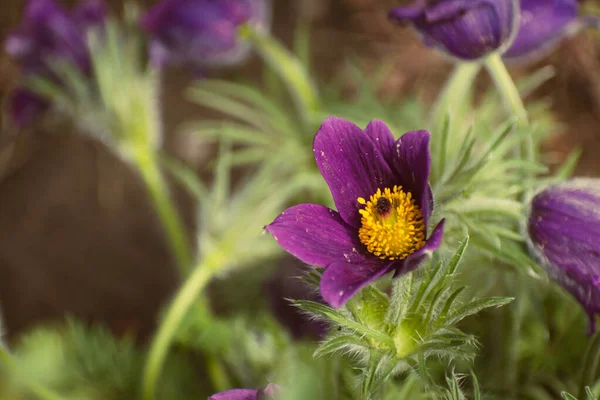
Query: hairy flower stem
point(147, 164)
point(163, 339)
point(451, 99)
point(512, 101)
point(451, 103)
point(289, 68)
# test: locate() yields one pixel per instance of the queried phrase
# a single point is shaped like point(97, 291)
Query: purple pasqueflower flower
point(49, 33)
point(464, 29)
point(201, 33)
point(380, 187)
point(268, 392)
point(564, 235)
point(543, 23)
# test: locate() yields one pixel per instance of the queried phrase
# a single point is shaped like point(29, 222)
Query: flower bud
point(543, 24)
point(47, 34)
point(464, 29)
point(201, 33)
point(564, 235)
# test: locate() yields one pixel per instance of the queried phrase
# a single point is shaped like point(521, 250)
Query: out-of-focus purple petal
point(408, 12)
point(90, 13)
point(412, 162)
point(316, 235)
point(543, 24)
point(465, 29)
point(351, 164)
point(203, 33)
point(236, 394)
point(564, 235)
point(25, 106)
point(341, 280)
point(411, 262)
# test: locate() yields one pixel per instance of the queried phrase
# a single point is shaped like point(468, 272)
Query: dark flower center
point(383, 205)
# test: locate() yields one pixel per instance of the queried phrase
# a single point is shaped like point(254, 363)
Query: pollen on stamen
point(392, 225)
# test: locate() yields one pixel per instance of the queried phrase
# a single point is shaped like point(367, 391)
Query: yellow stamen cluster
point(392, 224)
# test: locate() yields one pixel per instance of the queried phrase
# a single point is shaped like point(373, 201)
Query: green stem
point(507, 88)
point(590, 364)
point(451, 104)
point(451, 100)
point(161, 343)
point(289, 68)
point(513, 103)
point(147, 164)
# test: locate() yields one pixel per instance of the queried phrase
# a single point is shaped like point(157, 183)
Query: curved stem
point(147, 164)
point(451, 100)
point(161, 343)
point(514, 104)
point(507, 88)
point(289, 68)
point(451, 105)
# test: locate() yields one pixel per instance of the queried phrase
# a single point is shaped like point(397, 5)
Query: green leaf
point(476, 306)
point(476, 389)
point(230, 107)
point(457, 257)
point(566, 169)
point(252, 96)
point(590, 363)
point(339, 343)
point(400, 301)
point(290, 70)
point(186, 176)
point(448, 304)
point(332, 315)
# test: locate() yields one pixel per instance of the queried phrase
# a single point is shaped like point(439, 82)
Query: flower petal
point(341, 280)
point(351, 164)
point(25, 106)
point(411, 11)
point(90, 12)
point(413, 164)
point(235, 394)
point(317, 235)
point(465, 29)
point(379, 132)
point(563, 228)
point(542, 26)
point(411, 262)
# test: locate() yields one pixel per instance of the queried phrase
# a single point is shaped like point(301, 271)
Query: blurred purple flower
point(247, 394)
point(380, 187)
point(201, 33)
point(465, 29)
point(564, 235)
point(543, 23)
point(49, 33)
